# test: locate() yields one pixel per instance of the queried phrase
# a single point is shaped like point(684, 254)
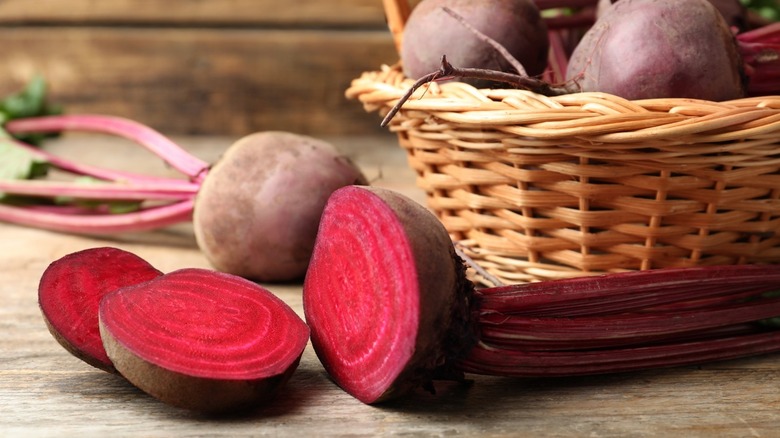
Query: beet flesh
point(257, 212)
point(516, 25)
point(659, 49)
point(70, 291)
point(202, 340)
point(381, 295)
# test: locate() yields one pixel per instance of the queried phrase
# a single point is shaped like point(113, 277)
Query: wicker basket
point(536, 187)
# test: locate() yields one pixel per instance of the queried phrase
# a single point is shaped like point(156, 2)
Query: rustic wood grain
point(222, 67)
point(46, 392)
point(201, 81)
point(337, 13)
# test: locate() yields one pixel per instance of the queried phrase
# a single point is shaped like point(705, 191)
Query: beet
point(70, 291)
point(516, 25)
point(389, 334)
point(202, 340)
point(642, 49)
point(390, 309)
point(257, 213)
point(733, 11)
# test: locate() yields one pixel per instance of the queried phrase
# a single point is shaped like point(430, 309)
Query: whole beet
point(733, 11)
point(257, 213)
point(431, 32)
point(641, 49)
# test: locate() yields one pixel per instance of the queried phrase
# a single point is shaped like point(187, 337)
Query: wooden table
point(44, 391)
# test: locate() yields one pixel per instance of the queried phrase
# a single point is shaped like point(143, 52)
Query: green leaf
point(768, 9)
point(114, 206)
point(30, 102)
point(18, 163)
point(121, 207)
point(26, 103)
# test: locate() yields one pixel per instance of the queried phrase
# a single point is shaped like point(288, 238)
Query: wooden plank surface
point(201, 81)
point(46, 392)
point(225, 67)
point(337, 13)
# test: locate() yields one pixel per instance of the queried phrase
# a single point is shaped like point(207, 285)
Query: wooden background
point(214, 67)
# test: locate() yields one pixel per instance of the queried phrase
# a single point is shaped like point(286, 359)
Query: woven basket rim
point(601, 117)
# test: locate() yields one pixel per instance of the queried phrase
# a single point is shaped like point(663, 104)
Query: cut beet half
point(203, 340)
point(379, 330)
point(70, 291)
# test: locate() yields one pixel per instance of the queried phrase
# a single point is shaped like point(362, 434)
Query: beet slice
point(202, 340)
point(378, 330)
point(70, 291)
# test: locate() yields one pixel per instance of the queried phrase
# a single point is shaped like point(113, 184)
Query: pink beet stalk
point(760, 51)
point(145, 219)
point(84, 169)
point(145, 136)
point(163, 201)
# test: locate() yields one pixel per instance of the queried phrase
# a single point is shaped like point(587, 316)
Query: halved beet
point(202, 340)
point(377, 329)
point(70, 291)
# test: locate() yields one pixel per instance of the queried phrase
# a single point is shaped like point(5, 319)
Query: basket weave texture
point(535, 187)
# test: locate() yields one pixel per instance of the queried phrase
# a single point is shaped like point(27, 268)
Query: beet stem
point(178, 194)
point(767, 33)
point(155, 142)
point(687, 296)
point(628, 290)
point(600, 344)
point(491, 360)
point(84, 169)
point(558, 60)
point(477, 268)
point(63, 221)
point(447, 70)
point(158, 190)
point(568, 333)
point(626, 321)
point(760, 52)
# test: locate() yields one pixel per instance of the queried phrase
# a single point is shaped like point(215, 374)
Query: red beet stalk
point(625, 321)
point(491, 360)
point(390, 308)
point(760, 50)
point(163, 201)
